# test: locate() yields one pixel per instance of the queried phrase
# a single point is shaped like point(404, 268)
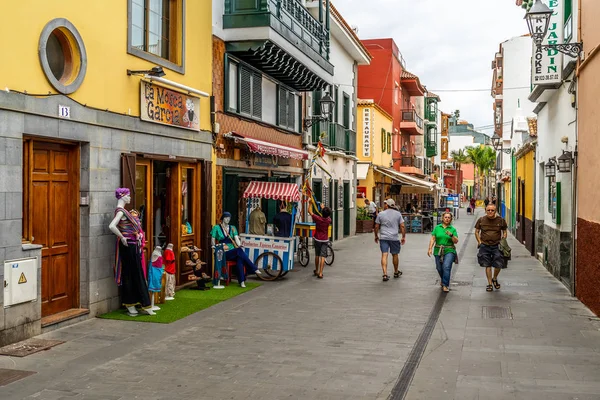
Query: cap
point(390, 202)
point(225, 214)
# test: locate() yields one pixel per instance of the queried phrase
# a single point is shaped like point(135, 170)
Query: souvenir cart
point(274, 256)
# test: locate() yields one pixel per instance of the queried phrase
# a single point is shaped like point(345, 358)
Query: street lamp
point(326, 103)
point(550, 168)
point(155, 71)
point(565, 161)
point(538, 22)
point(496, 142)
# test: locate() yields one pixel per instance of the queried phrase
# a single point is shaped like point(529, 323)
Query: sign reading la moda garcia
point(165, 106)
point(547, 64)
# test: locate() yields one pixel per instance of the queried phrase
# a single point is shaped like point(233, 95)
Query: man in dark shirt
point(283, 221)
point(489, 230)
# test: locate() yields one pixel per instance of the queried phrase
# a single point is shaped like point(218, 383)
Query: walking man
point(387, 225)
point(489, 231)
point(372, 208)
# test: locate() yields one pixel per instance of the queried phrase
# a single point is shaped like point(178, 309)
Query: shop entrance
point(167, 196)
point(51, 189)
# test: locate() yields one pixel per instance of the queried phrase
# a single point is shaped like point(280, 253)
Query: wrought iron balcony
point(411, 122)
point(337, 137)
point(291, 29)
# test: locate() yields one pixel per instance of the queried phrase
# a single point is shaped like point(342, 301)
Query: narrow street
point(348, 336)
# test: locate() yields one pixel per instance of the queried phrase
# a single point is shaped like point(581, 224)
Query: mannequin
point(257, 222)
point(227, 235)
point(169, 260)
point(128, 264)
point(155, 275)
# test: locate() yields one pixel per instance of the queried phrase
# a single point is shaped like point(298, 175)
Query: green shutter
point(245, 91)
point(257, 95)
point(383, 140)
point(291, 111)
point(568, 9)
point(282, 112)
point(346, 111)
point(336, 110)
point(389, 143)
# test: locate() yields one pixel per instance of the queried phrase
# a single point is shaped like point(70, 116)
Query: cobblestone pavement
point(347, 336)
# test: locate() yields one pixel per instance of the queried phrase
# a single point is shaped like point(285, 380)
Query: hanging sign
point(547, 64)
point(168, 107)
point(367, 126)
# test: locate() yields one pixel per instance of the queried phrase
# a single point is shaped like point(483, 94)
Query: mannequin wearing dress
point(155, 273)
point(228, 236)
point(128, 264)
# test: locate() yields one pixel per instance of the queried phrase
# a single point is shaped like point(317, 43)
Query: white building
point(338, 190)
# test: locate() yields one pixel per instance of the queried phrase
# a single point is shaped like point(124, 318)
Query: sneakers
point(258, 272)
point(243, 284)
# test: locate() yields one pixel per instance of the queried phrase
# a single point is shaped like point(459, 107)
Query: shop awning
point(261, 147)
point(273, 191)
point(362, 169)
point(406, 179)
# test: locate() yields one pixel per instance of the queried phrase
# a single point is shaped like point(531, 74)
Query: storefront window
point(187, 179)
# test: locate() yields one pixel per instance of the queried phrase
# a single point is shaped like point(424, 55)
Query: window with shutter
point(346, 111)
point(257, 95)
point(245, 91)
point(282, 103)
point(336, 110)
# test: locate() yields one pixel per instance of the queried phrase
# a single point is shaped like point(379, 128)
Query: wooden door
point(52, 200)
point(142, 201)
point(188, 215)
point(346, 208)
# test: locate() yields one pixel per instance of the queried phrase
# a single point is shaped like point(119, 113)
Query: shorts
point(389, 246)
point(491, 256)
point(320, 248)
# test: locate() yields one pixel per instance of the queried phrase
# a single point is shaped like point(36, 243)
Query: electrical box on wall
point(20, 281)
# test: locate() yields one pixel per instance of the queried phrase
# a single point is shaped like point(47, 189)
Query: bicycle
point(304, 253)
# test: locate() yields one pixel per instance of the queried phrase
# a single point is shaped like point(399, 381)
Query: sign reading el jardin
point(547, 64)
point(165, 106)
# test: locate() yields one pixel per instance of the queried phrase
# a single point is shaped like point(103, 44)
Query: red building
point(453, 180)
point(393, 88)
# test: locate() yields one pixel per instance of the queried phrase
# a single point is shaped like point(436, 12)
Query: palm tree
point(459, 157)
point(484, 158)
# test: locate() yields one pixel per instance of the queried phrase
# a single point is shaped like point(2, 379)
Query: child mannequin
point(155, 275)
point(170, 271)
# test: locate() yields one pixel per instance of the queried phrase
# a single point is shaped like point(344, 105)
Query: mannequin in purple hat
point(128, 264)
point(228, 236)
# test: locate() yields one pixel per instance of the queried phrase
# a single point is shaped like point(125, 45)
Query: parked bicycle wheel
point(303, 255)
point(330, 254)
point(270, 265)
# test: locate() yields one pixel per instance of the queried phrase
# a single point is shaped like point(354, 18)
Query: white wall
point(555, 121)
point(459, 142)
point(343, 77)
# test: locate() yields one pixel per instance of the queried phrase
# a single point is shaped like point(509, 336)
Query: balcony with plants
point(336, 138)
point(276, 51)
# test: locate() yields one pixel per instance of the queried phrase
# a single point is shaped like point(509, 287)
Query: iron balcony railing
point(336, 137)
point(289, 13)
point(412, 116)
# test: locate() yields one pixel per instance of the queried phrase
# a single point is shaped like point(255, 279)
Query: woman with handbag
point(443, 246)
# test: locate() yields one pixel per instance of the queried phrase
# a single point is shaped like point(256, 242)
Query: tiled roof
point(408, 75)
point(431, 94)
point(365, 102)
point(351, 31)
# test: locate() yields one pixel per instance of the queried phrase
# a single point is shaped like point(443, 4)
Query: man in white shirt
point(372, 207)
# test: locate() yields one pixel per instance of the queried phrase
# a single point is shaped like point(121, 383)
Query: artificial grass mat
point(187, 302)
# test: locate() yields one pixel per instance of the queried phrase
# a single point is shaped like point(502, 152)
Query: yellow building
point(373, 150)
point(95, 97)
point(525, 192)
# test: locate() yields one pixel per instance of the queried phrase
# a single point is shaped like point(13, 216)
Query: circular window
point(62, 55)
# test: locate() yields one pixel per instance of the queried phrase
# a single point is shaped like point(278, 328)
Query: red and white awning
point(262, 147)
point(273, 191)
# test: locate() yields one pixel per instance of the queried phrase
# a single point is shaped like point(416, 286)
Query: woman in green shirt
point(442, 245)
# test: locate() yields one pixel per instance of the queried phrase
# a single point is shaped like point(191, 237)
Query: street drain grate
point(27, 347)
point(496, 312)
point(12, 375)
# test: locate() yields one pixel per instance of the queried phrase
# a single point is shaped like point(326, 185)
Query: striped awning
point(261, 147)
point(273, 191)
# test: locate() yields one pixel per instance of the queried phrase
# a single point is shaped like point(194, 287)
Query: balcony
point(337, 137)
point(411, 165)
point(431, 109)
point(281, 38)
point(411, 122)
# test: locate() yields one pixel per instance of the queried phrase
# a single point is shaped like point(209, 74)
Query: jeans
point(241, 260)
point(444, 267)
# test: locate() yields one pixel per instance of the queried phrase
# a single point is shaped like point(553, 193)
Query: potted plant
point(364, 222)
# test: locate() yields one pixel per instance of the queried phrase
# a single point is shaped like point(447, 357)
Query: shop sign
point(367, 126)
point(261, 160)
point(168, 107)
point(547, 64)
point(361, 192)
point(264, 243)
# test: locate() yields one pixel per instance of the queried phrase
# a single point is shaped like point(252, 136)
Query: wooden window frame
point(177, 16)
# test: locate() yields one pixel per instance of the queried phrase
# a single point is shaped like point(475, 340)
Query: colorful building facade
point(86, 110)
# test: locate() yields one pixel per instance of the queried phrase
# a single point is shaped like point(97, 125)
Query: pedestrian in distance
point(321, 238)
point(489, 231)
point(387, 225)
point(443, 247)
point(372, 208)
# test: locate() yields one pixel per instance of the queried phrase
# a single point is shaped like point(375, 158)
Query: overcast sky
point(449, 44)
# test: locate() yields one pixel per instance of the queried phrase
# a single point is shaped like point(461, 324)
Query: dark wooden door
point(53, 198)
point(346, 208)
point(334, 209)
